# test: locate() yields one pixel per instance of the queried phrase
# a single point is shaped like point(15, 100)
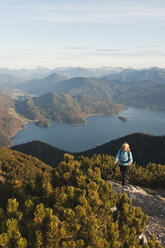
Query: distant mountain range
point(130, 87)
point(70, 72)
point(87, 72)
point(26, 74)
point(154, 74)
point(41, 86)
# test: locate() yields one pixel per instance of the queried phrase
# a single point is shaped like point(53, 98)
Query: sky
point(86, 33)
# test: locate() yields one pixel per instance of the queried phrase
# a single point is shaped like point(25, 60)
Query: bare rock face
point(152, 203)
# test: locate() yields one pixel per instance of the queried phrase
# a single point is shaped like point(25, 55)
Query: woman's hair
point(126, 144)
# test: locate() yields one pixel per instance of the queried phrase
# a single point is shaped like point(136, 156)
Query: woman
point(125, 158)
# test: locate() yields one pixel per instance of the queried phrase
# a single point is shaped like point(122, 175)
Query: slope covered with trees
point(46, 153)
point(68, 206)
point(20, 167)
point(62, 107)
point(145, 148)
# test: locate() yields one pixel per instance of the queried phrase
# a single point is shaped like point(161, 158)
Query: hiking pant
point(124, 172)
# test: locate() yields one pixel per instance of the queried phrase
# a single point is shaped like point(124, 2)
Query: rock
point(113, 209)
point(152, 203)
point(143, 238)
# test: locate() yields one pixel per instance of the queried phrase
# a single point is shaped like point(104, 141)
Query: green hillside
point(145, 148)
point(87, 86)
point(152, 97)
point(20, 167)
point(46, 153)
point(68, 206)
point(62, 107)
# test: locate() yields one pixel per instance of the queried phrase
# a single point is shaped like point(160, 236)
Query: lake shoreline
point(97, 131)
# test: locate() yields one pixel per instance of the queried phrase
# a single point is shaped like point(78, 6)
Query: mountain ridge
point(142, 146)
point(62, 107)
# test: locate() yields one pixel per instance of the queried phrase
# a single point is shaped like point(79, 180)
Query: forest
point(71, 205)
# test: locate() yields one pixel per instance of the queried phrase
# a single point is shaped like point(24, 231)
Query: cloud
point(82, 12)
point(127, 54)
point(78, 48)
point(109, 50)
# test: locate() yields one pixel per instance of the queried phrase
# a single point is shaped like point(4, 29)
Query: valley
point(71, 98)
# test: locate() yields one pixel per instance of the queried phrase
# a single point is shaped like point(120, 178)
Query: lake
point(97, 131)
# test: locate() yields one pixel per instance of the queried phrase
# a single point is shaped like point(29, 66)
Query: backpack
point(128, 157)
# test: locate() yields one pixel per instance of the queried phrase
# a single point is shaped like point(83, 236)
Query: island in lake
point(122, 118)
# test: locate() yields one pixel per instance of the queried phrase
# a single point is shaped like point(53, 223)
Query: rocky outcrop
point(152, 203)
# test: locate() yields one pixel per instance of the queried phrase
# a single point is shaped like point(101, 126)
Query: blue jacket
point(124, 158)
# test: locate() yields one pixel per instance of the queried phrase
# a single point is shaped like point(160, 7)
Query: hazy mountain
point(62, 107)
point(26, 74)
point(152, 97)
point(9, 80)
point(131, 93)
point(3, 89)
point(87, 72)
point(89, 86)
point(41, 86)
point(131, 75)
point(41, 72)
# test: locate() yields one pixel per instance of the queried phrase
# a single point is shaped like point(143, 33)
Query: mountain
point(88, 86)
point(41, 86)
point(26, 74)
point(4, 140)
point(131, 75)
point(86, 72)
point(146, 94)
point(72, 205)
point(20, 167)
point(9, 80)
point(9, 122)
point(4, 90)
point(79, 85)
point(44, 152)
point(130, 87)
point(146, 198)
point(41, 72)
point(151, 97)
point(145, 148)
point(62, 107)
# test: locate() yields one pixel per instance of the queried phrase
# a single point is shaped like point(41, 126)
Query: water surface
point(97, 131)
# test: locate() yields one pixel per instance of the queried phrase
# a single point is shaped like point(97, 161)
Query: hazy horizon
point(82, 67)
